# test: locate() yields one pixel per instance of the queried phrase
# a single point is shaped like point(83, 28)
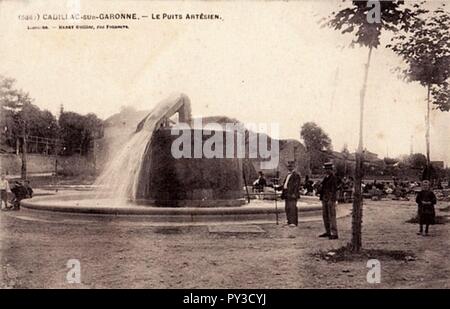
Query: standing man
point(328, 197)
point(4, 189)
point(290, 194)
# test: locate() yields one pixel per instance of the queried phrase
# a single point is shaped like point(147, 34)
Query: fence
point(67, 165)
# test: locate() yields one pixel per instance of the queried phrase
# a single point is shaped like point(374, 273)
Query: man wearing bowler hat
point(328, 197)
point(290, 194)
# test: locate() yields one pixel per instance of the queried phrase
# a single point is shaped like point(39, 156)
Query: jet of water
point(120, 177)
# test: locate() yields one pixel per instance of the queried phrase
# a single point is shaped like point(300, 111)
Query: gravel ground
point(34, 254)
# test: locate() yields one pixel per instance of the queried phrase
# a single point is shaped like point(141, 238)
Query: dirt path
point(34, 254)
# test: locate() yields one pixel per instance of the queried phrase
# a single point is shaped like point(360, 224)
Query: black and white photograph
point(224, 145)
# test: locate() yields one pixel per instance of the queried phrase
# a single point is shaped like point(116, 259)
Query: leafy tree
point(19, 114)
point(14, 104)
point(418, 161)
point(20, 119)
point(40, 123)
point(425, 47)
point(78, 131)
point(366, 20)
point(317, 143)
point(441, 96)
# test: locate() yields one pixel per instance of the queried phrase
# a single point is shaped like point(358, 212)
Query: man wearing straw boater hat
point(328, 197)
point(290, 194)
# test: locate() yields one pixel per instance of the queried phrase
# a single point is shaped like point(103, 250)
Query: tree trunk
point(427, 135)
point(24, 153)
point(356, 243)
point(357, 212)
point(56, 158)
point(94, 157)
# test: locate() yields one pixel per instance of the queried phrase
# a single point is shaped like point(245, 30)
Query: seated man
point(308, 186)
point(375, 194)
point(20, 192)
point(260, 183)
point(28, 188)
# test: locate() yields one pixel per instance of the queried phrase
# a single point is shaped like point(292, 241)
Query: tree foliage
point(17, 111)
point(315, 137)
point(12, 99)
point(317, 143)
point(354, 19)
point(78, 132)
point(441, 96)
point(416, 161)
point(425, 47)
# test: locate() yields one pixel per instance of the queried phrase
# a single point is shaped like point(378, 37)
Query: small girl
point(425, 200)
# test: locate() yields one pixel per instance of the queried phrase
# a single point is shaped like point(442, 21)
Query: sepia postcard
point(225, 145)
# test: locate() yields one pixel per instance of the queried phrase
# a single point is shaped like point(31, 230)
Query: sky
point(262, 62)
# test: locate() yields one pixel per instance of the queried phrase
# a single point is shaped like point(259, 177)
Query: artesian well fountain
point(144, 178)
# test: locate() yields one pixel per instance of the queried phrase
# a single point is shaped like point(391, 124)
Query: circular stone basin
point(87, 203)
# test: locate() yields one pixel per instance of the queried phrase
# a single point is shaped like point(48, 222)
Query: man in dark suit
point(290, 194)
point(328, 190)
